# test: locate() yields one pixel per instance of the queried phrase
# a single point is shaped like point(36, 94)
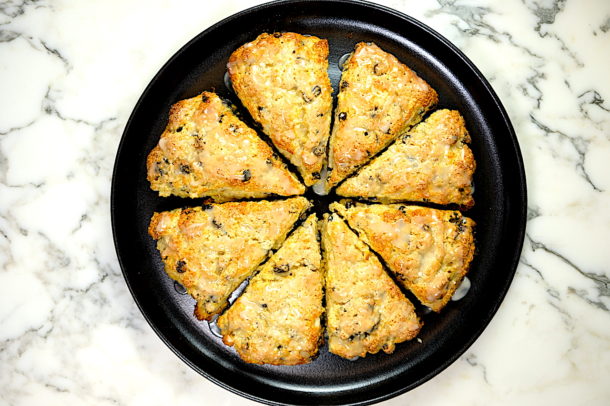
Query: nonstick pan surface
point(499, 212)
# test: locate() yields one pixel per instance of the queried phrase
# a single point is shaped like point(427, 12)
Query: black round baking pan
point(500, 209)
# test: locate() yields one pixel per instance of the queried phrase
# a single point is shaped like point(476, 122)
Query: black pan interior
point(499, 211)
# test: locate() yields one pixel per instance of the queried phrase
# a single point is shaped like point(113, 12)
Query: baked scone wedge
point(366, 311)
point(277, 320)
point(379, 98)
point(428, 250)
point(430, 163)
point(282, 80)
point(210, 250)
point(206, 150)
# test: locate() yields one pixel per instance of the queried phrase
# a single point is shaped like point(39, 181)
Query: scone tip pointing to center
point(366, 310)
point(428, 250)
point(282, 80)
point(379, 98)
point(277, 320)
point(430, 163)
point(211, 250)
point(207, 151)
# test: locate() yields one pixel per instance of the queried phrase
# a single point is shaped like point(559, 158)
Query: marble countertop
point(70, 74)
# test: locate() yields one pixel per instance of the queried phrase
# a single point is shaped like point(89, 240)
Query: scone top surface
point(206, 150)
point(429, 250)
point(430, 163)
point(282, 80)
point(277, 320)
point(379, 98)
point(210, 250)
point(366, 311)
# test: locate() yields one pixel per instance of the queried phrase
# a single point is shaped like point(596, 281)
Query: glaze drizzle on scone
point(277, 320)
point(428, 250)
point(282, 80)
point(430, 163)
point(366, 311)
point(210, 250)
point(379, 98)
point(207, 151)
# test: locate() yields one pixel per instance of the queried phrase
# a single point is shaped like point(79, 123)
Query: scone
point(277, 319)
point(366, 311)
point(282, 80)
point(206, 150)
point(428, 250)
point(210, 250)
point(431, 163)
point(379, 98)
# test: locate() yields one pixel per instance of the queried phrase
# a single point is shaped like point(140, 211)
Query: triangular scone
point(431, 163)
point(282, 80)
point(206, 150)
point(428, 250)
point(366, 311)
point(379, 98)
point(277, 319)
point(210, 250)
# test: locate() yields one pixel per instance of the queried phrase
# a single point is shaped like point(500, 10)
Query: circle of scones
point(377, 151)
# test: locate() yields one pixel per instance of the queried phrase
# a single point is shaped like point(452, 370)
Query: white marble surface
point(70, 74)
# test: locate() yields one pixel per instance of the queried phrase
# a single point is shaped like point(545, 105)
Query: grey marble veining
point(70, 74)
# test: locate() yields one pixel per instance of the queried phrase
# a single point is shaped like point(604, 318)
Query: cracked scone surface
point(277, 320)
point(210, 250)
point(282, 80)
point(430, 163)
point(206, 150)
point(429, 250)
point(366, 311)
point(379, 98)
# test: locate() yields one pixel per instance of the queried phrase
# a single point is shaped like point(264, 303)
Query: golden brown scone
point(431, 163)
point(206, 150)
point(428, 250)
point(366, 311)
point(210, 250)
point(379, 98)
point(277, 319)
point(282, 80)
